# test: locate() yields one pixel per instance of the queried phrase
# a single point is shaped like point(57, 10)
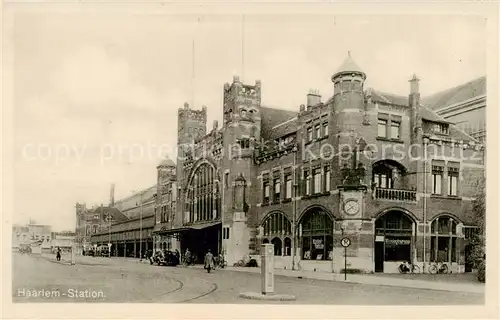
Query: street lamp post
point(140, 231)
point(109, 237)
point(424, 262)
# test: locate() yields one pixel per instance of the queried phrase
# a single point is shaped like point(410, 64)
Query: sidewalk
point(385, 280)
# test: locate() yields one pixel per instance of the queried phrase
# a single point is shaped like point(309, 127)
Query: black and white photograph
point(247, 157)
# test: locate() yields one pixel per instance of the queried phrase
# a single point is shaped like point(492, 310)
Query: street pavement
point(42, 279)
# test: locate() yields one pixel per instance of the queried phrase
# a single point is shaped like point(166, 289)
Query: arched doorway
point(316, 235)
point(393, 238)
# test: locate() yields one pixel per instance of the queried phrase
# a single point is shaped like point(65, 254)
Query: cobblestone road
point(117, 280)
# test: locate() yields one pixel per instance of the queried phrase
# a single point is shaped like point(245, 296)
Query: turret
point(349, 77)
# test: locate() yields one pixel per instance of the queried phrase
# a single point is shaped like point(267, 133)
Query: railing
point(395, 194)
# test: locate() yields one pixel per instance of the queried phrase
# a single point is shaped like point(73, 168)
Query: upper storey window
point(203, 199)
point(441, 128)
point(244, 143)
point(309, 134)
point(382, 128)
point(389, 126)
point(395, 128)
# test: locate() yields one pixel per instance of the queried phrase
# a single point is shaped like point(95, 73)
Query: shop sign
point(379, 238)
point(398, 242)
point(318, 244)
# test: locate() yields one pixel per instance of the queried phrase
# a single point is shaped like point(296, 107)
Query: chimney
point(112, 195)
point(313, 98)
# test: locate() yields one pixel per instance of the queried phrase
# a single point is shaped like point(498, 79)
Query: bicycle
point(220, 262)
point(438, 267)
point(408, 267)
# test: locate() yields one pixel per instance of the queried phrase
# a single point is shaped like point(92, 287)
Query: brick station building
point(276, 176)
point(383, 170)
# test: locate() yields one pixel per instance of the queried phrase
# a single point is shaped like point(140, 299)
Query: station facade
point(383, 170)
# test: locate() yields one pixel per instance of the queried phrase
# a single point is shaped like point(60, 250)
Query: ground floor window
point(287, 247)
point(316, 235)
point(317, 247)
point(397, 248)
point(444, 239)
point(393, 238)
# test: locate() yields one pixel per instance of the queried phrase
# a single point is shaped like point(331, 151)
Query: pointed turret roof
point(349, 65)
point(166, 162)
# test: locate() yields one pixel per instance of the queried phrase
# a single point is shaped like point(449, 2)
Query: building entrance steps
point(422, 281)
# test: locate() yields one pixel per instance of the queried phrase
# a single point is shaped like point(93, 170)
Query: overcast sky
point(85, 82)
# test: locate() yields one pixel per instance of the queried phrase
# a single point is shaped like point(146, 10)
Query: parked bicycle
point(220, 262)
point(188, 261)
point(438, 267)
point(408, 267)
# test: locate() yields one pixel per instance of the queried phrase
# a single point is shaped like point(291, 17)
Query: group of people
point(189, 258)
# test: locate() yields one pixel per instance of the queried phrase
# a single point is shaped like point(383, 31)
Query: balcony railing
point(395, 195)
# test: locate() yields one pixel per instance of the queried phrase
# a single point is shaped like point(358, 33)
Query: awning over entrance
point(167, 231)
point(204, 225)
point(200, 226)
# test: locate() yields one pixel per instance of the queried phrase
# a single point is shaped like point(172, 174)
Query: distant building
point(63, 240)
point(463, 105)
point(93, 221)
point(30, 233)
point(129, 235)
point(20, 236)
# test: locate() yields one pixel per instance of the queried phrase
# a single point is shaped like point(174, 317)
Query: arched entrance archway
point(394, 238)
point(316, 235)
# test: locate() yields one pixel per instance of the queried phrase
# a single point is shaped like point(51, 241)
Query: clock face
point(351, 207)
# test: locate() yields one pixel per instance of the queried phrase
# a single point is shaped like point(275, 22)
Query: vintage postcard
point(313, 160)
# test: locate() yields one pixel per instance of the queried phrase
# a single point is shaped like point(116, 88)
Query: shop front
point(394, 241)
point(315, 232)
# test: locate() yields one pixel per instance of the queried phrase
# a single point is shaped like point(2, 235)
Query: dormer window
point(243, 113)
point(441, 128)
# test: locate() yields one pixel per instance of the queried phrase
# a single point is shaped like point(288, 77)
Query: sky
point(92, 92)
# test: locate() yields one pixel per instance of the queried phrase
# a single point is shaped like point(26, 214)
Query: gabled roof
point(389, 98)
point(284, 129)
point(429, 115)
point(463, 92)
point(271, 117)
point(117, 215)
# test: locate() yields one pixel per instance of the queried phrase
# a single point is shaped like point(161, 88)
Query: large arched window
point(394, 233)
point(444, 239)
point(277, 228)
point(277, 224)
point(316, 232)
point(203, 201)
point(388, 174)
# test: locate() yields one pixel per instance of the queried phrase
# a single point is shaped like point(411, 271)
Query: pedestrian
point(209, 261)
point(187, 257)
point(58, 254)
